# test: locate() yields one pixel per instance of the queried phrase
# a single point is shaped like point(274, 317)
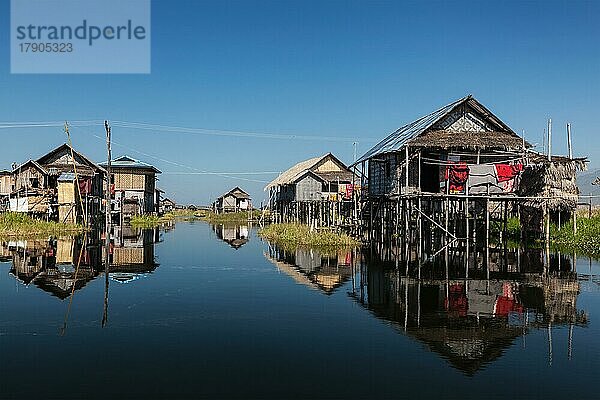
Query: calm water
point(203, 311)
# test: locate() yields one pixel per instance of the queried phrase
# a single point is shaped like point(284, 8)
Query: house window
point(35, 183)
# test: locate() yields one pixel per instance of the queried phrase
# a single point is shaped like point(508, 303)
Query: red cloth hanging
point(349, 191)
point(457, 176)
point(506, 172)
point(85, 186)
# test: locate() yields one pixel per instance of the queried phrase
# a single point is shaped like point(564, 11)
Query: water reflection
point(50, 264)
point(234, 235)
point(313, 268)
point(61, 266)
point(132, 253)
point(472, 321)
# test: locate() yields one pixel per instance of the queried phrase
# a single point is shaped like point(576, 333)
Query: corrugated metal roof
point(397, 139)
point(402, 136)
point(130, 162)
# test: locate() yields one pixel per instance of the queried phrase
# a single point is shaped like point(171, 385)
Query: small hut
point(549, 186)
point(320, 186)
point(234, 200)
point(166, 205)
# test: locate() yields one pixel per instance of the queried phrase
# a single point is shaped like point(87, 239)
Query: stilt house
point(133, 184)
point(320, 187)
point(463, 149)
point(233, 201)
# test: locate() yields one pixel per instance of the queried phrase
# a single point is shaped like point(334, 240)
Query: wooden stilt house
point(235, 200)
point(461, 151)
point(318, 190)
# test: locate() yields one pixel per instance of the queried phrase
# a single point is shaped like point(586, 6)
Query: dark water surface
point(202, 311)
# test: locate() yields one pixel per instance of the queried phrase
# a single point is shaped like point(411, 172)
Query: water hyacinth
point(293, 235)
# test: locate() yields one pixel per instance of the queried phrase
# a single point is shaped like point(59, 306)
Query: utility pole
point(108, 221)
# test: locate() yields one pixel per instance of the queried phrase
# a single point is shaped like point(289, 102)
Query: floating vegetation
point(294, 235)
point(22, 225)
point(587, 239)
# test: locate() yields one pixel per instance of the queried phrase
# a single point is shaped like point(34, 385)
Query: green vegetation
point(587, 239)
point(239, 217)
point(293, 235)
point(22, 225)
point(146, 221)
point(152, 221)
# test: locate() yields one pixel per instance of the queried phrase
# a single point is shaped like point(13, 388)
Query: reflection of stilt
point(570, 349)
point(405, 303)
point(550, 343)
point(419, 304)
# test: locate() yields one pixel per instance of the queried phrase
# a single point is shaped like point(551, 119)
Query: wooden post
point(550, 139)
point(108, 221)
point(406, 181)
point(569, 141)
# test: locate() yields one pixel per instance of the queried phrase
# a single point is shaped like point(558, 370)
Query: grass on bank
point(241, 217)
point(294, 235)
point(22, 225)
point(152, 221)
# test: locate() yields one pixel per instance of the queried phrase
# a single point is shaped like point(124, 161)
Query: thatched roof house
point(311, 180)
point(234, 200)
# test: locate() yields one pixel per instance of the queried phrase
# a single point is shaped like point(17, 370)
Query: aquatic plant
point(22, 225)
point(587, 239)
point(292, 235)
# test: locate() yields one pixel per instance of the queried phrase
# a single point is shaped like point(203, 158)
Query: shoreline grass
point(21, 225)
point(237, 217)
point(291, 236)
point(152, 221)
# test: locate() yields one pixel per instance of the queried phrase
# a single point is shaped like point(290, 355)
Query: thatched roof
point(469, 140)
point(297, 171)
point(464, 123)
point(555, 179)
point(236, 192)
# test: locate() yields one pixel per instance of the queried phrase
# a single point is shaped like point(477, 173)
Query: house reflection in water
point(313, 268)
point(132, 253)
point(234, 235)
point(51, 264)
point(471, 322)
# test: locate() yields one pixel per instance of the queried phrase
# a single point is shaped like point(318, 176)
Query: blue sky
point(348, 70)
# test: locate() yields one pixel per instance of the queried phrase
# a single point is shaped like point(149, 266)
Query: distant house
point(321, 186)
point(596, 182)
point(133, 183)
point(233, 201)
point(166, 205)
